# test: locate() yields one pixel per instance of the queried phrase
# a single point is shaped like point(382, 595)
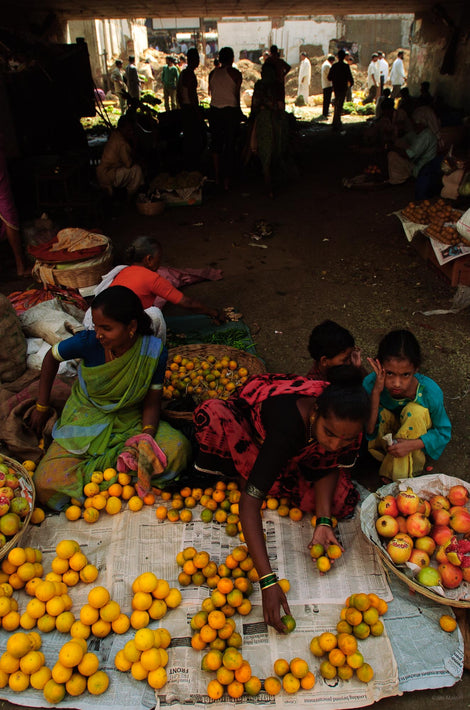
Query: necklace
point(311, 421)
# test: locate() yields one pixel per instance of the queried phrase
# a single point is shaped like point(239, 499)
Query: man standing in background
point(326, 85)
point(397, 74)
point(305, 75)
point(341, 77)
point(373, 79)
point(170, 75)
point(383, 69)
point(132, 77)
point(119, 85)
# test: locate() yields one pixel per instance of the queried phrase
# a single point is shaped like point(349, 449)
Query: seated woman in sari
point(286, 435)
point(116, 397)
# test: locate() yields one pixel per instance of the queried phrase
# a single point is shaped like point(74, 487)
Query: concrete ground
point(335, 253)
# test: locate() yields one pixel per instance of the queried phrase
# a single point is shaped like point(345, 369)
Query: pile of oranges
point(359, 618)
point(233, 674)
point(145, 656)
point(70, 565)
point(100, 616)
point(295, 674)
point(324, 557)
point(152, 599)
point(210, 378)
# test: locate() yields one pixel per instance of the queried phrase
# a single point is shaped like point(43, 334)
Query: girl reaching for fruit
point(405, 405)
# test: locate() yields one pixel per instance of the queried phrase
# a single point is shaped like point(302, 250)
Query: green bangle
point(273, 584)
point(267, 581)
point(325, 521)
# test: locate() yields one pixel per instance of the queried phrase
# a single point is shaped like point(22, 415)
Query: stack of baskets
point(28, 492)
point(253, 364)
point(75, 274)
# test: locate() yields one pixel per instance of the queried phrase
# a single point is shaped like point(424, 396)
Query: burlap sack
point(12, 343)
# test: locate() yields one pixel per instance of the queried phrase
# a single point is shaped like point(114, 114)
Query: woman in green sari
point(116, 397)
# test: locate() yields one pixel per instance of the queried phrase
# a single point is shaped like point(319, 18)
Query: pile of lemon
point(100, 616)
point(202, 379)
point(295, 674)
point(152, 599)
point(359, 618)
point(145, 656)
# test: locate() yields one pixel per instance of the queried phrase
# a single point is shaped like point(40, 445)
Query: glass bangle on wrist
point(325, 521)
point(41, 407)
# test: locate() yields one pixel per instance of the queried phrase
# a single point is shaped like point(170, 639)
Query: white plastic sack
point(49, 321)
point(39, 349)
point(463, 225)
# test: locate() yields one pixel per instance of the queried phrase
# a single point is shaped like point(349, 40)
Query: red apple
point(426, 544)
point(407, 502)
point(399, 550)
point(451, 576)
point(419, 557)
point(418, 525)
point(460, 521)
point(386, 526)
point(458, 495)
point(441, 534)
point(388, 506)
point(438, 501)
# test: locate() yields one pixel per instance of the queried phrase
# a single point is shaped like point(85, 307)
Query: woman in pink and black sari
point(9, 222)
point(286, 435)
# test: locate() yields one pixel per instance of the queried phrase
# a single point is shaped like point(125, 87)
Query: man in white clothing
point(326, 84)
point(305, 75)
point(383, 69)
point(373, 79)
point(397, 74)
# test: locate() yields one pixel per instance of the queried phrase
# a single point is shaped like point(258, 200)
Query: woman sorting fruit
point(286, 435)
point(114, 404)
point(408, 419)
point(142, 277)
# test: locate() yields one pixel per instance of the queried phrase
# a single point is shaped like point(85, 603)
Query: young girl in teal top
point(405, 404)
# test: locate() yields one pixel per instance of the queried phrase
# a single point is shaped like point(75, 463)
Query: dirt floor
point(335, 253)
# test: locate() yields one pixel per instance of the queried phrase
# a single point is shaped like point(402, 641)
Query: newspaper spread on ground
point(448, 252)
point(128, 544)
point(425, 486)
point(410, 228)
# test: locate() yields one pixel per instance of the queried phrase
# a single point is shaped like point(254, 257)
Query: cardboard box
point(455, 272)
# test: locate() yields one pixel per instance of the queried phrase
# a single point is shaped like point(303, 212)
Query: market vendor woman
point(286, 435)
point(116, 397)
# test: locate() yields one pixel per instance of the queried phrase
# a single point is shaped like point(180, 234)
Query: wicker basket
point(85, 273)
point(253, 364)
point(150, 209)
point(27, 489)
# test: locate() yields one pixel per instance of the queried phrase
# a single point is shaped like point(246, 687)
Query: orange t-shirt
point(147, 285)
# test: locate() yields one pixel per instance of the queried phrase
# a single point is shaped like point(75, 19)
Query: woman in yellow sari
point(117, 397)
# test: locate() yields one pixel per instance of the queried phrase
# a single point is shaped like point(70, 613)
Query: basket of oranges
point(17, 496)
point(203, 371)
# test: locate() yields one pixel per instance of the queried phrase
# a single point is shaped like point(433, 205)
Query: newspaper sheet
point(128, 544)
point(410, 228)
point(425, 486)
point(448, 252)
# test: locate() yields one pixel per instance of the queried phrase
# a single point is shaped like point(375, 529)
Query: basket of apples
point(421, 529)
point(17, 498)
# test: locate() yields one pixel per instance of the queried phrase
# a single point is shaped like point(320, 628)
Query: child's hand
point(356, 357)
point(376, 365)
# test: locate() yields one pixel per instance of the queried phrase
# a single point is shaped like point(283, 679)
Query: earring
point(131, 333)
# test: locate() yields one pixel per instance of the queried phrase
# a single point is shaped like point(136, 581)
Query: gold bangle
point(42, 407)
point(149, 426)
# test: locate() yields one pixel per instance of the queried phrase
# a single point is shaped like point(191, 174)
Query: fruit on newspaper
point(203, 378)
point(430, 534)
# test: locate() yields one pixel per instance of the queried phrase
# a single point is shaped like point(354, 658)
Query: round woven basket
point(28, 492)
point(85, 273)
point(150, 209)
point(253, 364)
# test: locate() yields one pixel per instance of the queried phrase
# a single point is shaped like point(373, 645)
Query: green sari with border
point(103, 411)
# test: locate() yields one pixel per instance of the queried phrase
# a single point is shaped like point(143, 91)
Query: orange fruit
point(345, 672)
point(327, 641)
point(323, 564)
point(97, 683)
point(212, 660)
point(353, 616)
point(361, 602)
point(215, 690)
point(315, 647)
point(334, 552)
point(91, 515)
point(361, 631)
point(18, 681)
point(355, 660)
point(290, 683)
point(73, 512)
point(365, 673)
point(110, 611)
point(113, 506)
point(39, 679)
point(70, 654)
point(347, 643)
point(98, 597)
point(447, 623)
point(121, 624)
point(89, 615)
point(88, 573)
point(308, 681)
point(272, 685)
point(79, 630)
point(281, 667)
point(139, 619)
point(101, 628)
point(298, 667)
point(336, 657)
point(235, 689)
point(327, 670)
point(295, 514)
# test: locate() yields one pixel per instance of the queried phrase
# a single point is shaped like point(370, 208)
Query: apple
point(458, 495)
point(4, 505)
point(407, 502)
point(428, 576)
point(388, 506)
point(426, 544)
point(438, 501)
point(460, 520)
point(12, 481)
point(450, 574)
point(441, 534)
point(419, 557)
point(386, 526)
point(399, 550)
point(418, 525)
point(440, 516)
